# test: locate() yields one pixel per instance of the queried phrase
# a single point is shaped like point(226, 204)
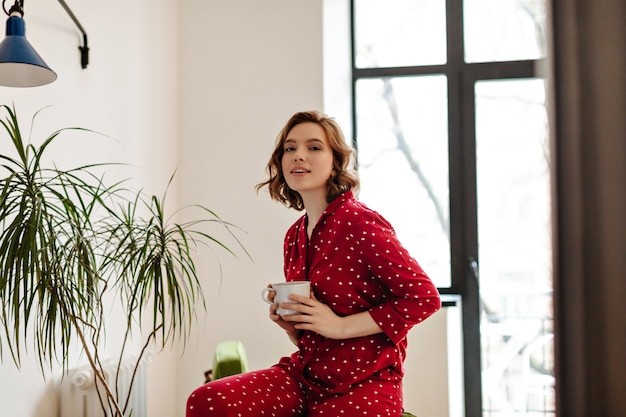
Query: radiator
point(79, 397)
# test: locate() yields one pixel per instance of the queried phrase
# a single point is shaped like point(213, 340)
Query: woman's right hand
point(287, 326)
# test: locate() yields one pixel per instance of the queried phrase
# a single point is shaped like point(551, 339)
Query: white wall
point(204, 86)
point(128, 92)
point(252, 65)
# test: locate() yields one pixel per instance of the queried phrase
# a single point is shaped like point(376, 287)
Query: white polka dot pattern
point(355, 263)
point(275, 392)
point(269, 392)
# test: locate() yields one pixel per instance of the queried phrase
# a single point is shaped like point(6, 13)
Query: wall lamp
point(20, 64)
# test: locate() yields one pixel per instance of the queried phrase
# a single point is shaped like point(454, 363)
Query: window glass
point(403, 163)
point(514, 234)
point(504, 30)
point(401, 106)
point(397, 33)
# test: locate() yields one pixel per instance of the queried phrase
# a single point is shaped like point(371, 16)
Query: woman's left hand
point(317, 317)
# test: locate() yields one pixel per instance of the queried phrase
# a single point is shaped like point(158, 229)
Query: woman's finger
point(301, 299)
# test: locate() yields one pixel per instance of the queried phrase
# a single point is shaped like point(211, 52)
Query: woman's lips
point(299, 171)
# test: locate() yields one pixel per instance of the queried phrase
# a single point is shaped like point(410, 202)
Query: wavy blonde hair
point(345, 177)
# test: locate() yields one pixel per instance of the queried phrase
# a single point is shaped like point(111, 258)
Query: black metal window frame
point(462, 78)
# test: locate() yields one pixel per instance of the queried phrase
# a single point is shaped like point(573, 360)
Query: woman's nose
point(297, 157)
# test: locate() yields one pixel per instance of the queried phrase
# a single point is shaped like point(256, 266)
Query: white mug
point(283, 290)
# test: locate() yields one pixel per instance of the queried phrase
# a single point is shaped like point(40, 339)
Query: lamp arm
point(84, 50)
point(18, 7)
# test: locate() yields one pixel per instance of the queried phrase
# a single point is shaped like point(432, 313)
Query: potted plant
point(68, 239)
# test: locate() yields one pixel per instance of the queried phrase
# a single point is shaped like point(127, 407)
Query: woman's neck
point(314, 206)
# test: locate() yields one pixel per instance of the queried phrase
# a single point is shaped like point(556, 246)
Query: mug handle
point(265, 293)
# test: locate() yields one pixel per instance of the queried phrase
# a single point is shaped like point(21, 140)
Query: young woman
point(367, 292)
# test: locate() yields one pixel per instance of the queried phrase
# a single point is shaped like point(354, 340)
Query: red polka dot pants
point(274, 392)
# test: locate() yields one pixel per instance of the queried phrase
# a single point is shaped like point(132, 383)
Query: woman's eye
point(316, 148)
point(289, 149)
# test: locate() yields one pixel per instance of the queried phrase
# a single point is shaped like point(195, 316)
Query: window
point(451, 131)
point(403, 155)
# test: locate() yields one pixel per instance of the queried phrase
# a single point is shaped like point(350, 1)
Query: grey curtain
point(589, 130)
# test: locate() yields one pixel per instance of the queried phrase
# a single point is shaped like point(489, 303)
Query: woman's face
point(307, 161)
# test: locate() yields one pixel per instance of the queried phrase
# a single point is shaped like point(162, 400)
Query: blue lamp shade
point(20, 64)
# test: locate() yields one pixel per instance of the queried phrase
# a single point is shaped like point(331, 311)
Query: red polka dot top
point(355, 263)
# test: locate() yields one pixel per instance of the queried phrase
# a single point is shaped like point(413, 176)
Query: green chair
point(230, 359)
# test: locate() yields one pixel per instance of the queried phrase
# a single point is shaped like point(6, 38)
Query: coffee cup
point(283, 290)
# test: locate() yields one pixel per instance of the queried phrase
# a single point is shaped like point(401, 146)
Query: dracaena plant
point(67, 239)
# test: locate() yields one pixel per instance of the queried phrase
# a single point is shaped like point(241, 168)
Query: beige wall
point(204, 86)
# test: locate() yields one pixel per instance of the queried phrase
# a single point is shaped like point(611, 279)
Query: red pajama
point(269, 392)
point(355, 263)
point(274, 392)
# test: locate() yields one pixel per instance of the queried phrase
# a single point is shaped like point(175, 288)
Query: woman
point(367, 292)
